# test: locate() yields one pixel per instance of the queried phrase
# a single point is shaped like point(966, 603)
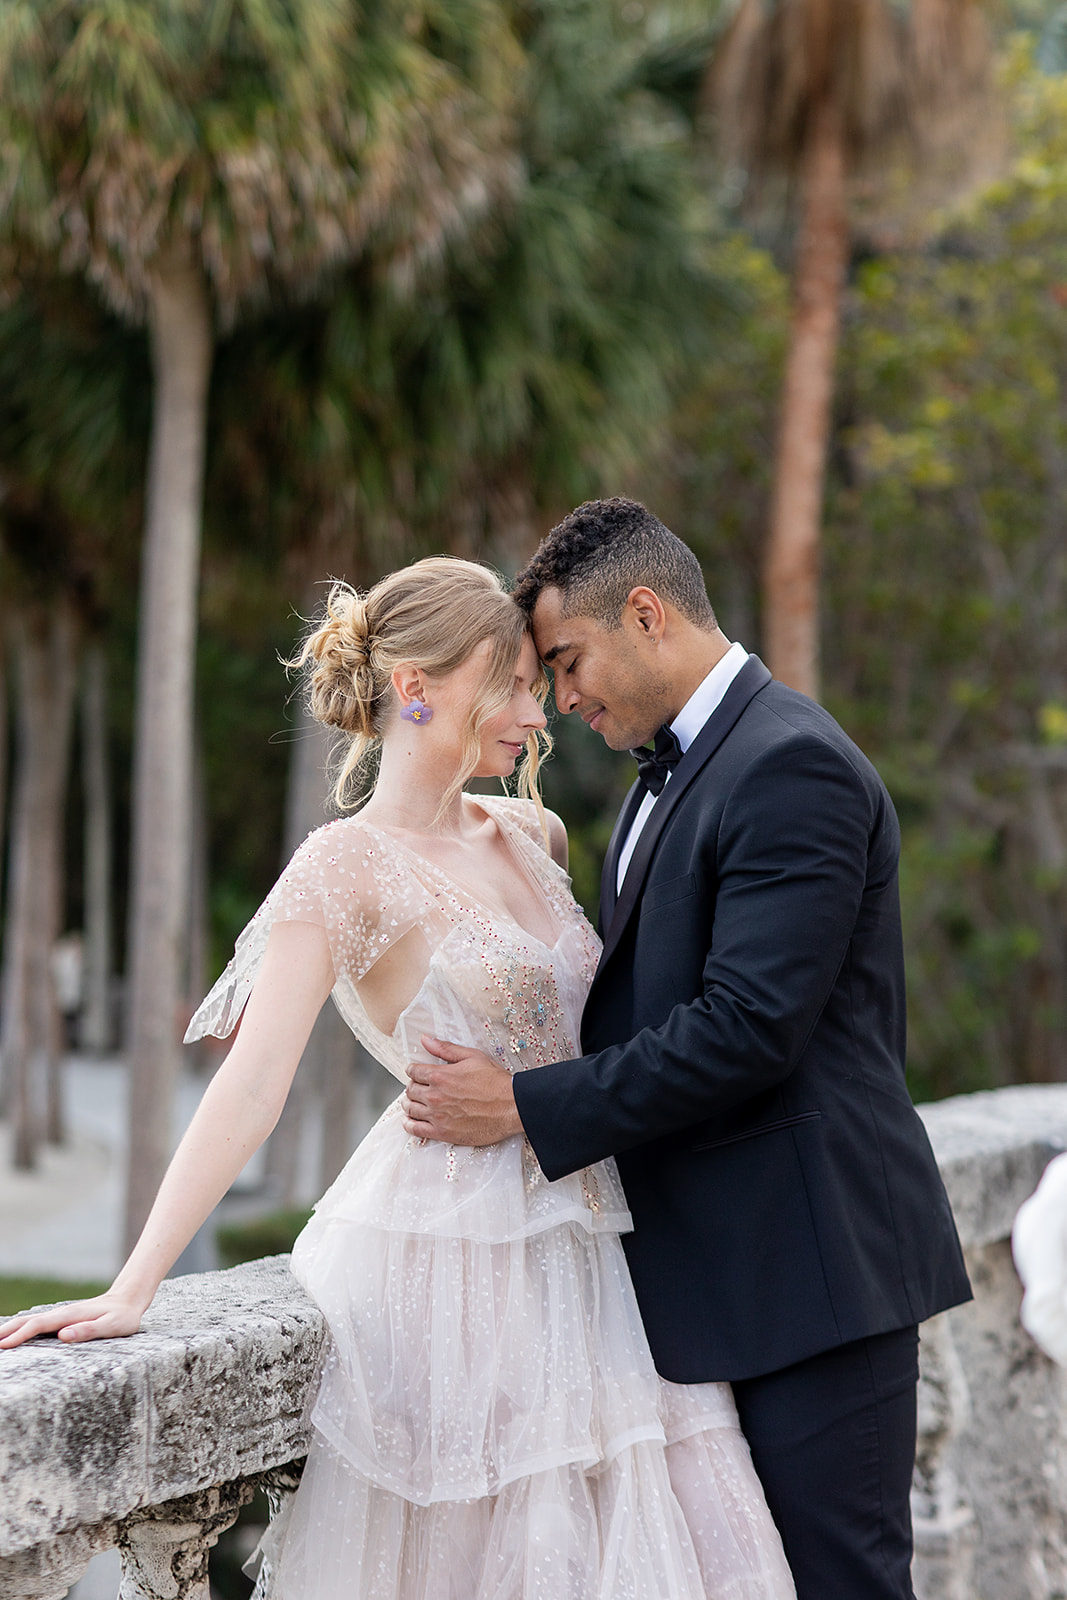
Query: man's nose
point(566, 699)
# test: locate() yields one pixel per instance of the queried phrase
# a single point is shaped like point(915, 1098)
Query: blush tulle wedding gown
point(488, 1424)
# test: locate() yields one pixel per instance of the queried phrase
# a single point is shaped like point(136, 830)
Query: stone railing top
point(213, 1388)
point(992, 1148)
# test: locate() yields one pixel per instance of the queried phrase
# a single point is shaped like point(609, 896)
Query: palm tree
point(536, 367)
point(44, 657)
point(194, 161)
point(70, 396)
point(96, 1033)
point(836, 97)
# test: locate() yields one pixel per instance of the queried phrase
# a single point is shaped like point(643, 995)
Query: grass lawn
point(19, 1294)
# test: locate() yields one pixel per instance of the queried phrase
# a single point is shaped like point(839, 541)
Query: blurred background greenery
point(496, 259)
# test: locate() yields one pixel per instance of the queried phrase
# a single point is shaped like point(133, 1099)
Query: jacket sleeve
point(794, 857)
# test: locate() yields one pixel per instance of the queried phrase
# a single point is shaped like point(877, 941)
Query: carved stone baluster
point(165, 1548)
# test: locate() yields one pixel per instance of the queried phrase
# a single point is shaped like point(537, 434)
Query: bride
point(488, 1423)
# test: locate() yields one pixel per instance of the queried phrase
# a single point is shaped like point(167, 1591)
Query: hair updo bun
point(432, 615)
point(343, 687)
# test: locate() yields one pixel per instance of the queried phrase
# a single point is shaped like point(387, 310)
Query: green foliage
point(270, 1235)
point(269, 142)
point(537, 366)
point(22, 1294)
point(946, 600)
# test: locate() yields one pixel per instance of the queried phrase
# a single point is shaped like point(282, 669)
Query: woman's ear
point(407, 681)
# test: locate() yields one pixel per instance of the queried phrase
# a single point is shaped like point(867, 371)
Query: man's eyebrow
point(556, 650)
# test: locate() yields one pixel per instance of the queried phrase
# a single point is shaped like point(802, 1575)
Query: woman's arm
point(240, 1106)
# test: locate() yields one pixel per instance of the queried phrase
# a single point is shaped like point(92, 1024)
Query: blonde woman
point(488, 1423)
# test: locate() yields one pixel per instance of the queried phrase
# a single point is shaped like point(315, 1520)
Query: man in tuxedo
point(743, 1049)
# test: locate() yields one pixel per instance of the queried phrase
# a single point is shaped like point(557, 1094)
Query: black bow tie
point(654, 765)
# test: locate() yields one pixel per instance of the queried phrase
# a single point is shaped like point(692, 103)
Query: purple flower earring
point(416, 711)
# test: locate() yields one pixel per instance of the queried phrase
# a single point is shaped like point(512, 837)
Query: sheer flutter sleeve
point(340, 880)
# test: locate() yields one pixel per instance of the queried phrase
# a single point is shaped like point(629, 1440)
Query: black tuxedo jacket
point(745, 1055)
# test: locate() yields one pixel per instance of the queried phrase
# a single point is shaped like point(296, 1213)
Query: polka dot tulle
point(488, 1423)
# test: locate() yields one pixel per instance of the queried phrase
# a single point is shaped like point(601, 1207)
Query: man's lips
point(593, 718)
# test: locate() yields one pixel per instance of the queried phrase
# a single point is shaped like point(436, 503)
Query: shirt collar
point(707, 695)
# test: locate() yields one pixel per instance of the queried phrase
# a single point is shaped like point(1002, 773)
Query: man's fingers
point(417, 1094)
point(443, 1050)
point(422, 1130)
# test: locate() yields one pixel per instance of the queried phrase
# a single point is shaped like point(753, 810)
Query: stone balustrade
point(154, 1443)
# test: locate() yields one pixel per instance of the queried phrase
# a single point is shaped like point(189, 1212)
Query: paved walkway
point(64, 1220)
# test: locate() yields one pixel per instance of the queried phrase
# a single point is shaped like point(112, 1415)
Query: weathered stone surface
point(1009, 1454)
point(990, 1497)
point(213, 1389)
point(48, 1570)
point(992, 1148)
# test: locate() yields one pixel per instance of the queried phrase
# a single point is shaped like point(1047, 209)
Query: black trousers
point(833, 1442)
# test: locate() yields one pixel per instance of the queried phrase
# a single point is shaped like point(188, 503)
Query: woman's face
point(504, 737)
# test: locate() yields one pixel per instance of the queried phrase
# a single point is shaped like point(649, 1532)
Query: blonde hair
point(433, 615)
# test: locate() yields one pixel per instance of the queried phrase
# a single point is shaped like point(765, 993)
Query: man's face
point(611, 677)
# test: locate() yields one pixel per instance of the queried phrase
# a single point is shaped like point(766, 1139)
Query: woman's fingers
point(102, 1318)
point(29, 1324)
point(98, 1328)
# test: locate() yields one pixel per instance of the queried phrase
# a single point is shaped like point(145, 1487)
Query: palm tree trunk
point(31, 1032)
point(4, 883)
point(199, 936)
point(3, 753)
point(791, 563)
point(50, 1024)
point(181, 342)
point(304, 810)
point(96, 1034)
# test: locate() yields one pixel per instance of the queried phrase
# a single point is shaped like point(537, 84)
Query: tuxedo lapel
point(609, 877)
point(749, 681)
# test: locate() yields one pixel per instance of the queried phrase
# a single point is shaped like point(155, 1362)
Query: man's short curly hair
point(602, 551)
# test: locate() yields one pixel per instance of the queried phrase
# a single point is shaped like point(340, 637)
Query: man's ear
point(645, 610)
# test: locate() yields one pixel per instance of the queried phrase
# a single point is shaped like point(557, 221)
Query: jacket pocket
point(764, 1127)
point(662, 894)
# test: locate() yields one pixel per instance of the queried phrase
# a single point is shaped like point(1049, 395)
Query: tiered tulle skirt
point(489, 1425)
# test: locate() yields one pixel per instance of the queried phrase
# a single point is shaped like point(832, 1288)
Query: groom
point(744, 1049)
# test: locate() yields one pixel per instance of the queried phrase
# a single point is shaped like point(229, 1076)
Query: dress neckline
point(504, 830)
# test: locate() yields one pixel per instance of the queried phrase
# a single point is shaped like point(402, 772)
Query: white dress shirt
point(705, 699)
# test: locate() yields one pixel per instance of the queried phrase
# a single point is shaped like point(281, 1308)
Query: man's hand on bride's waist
point(462, 1097)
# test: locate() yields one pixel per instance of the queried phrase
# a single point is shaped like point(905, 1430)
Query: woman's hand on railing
point(106, 1316)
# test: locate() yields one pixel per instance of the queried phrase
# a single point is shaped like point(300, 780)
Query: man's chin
point(613, 737)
